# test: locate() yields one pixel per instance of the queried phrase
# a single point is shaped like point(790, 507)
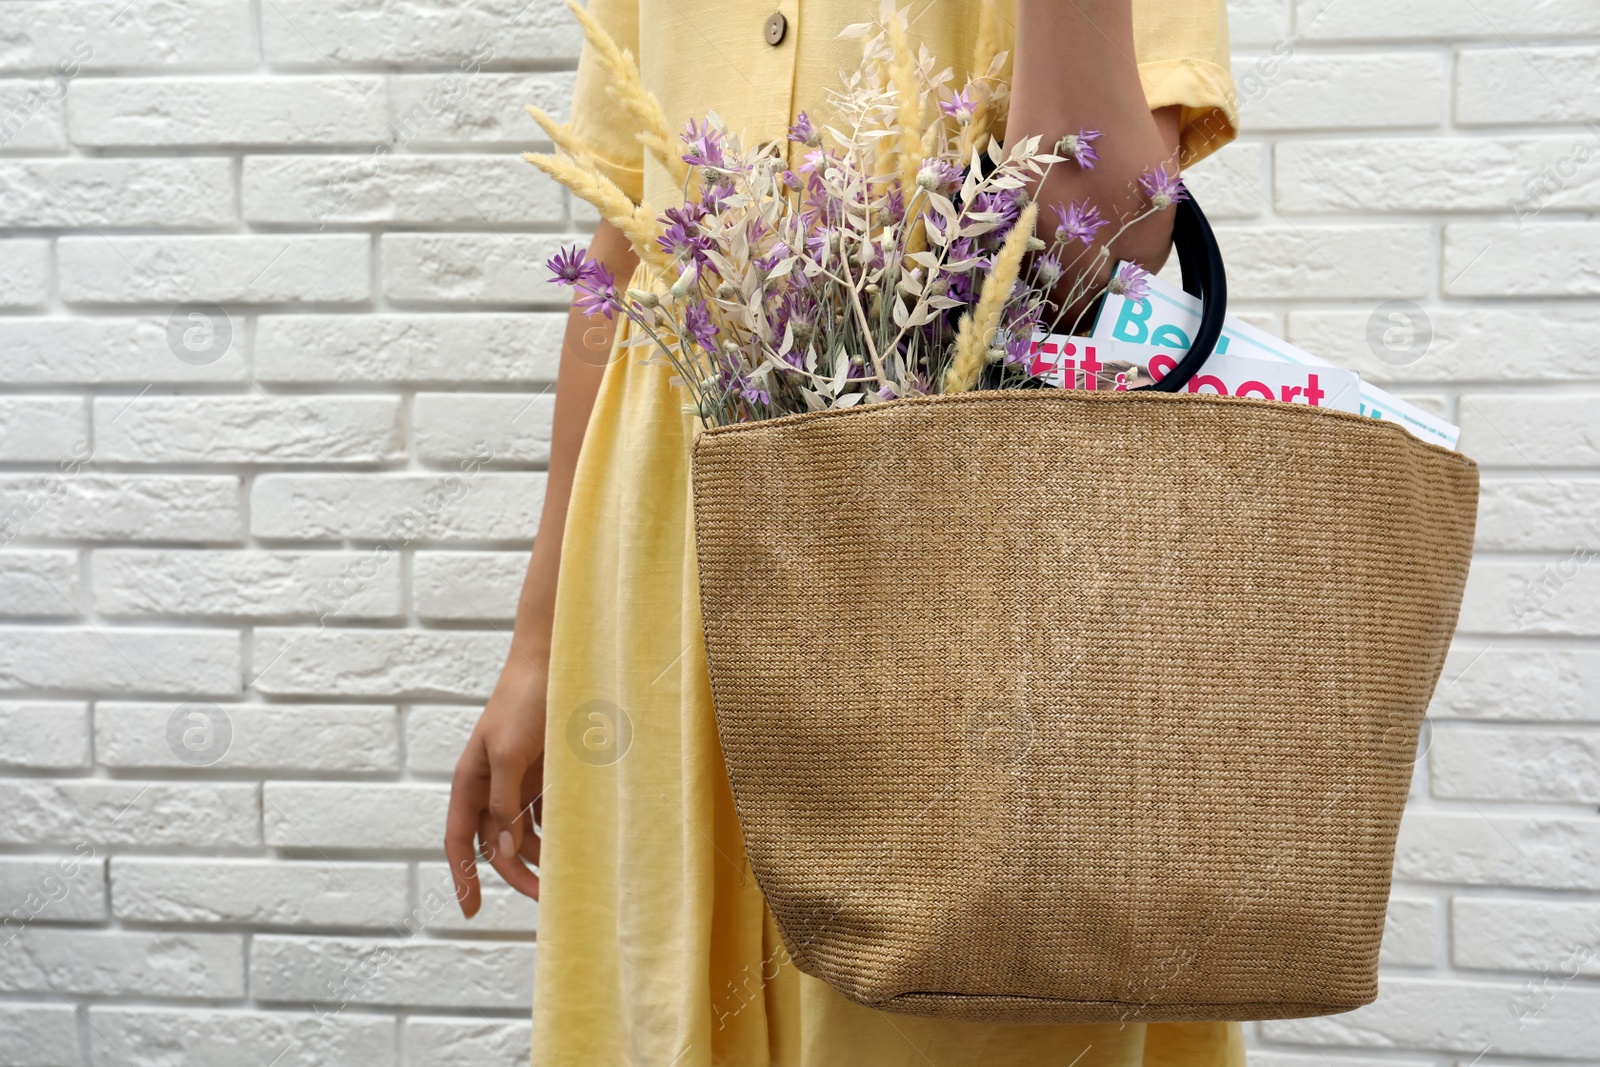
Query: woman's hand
point(1074, 70)
point(495, 796)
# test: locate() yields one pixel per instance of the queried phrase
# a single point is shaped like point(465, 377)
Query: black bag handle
point(1200, 260)
point(1204, 276)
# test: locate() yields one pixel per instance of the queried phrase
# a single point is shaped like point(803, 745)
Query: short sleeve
point(597, 119)
point(1183, 59)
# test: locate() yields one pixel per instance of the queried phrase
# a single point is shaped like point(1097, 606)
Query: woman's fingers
point(469, 793)
point(533, 813)
point(507, 862)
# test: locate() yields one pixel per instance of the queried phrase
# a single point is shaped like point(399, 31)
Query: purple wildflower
point(1079, 220)
point(732, 378)
point(678, 243)
point(894, 205)
point(705, 145)
point(959, 107)
point(964, 248)
point(1162, 189)
point(698, 326)
point(569, 266)
point(1079, 148)
point(1046, 272)
point(711, 200)
point(775, 255)
point(1132, 281)
point(1018, 347)
point(688, 215)
point(1007, 203)
point(597, 291)
point(804, 132)
point(962, 288)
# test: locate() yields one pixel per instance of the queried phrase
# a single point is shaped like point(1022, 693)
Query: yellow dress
point(655, 946)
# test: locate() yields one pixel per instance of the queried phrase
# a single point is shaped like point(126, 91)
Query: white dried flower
point(644, 298)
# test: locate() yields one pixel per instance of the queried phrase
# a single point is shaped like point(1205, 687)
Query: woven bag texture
point(1075, 707)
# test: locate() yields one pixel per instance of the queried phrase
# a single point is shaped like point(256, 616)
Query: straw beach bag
point(1042, 705)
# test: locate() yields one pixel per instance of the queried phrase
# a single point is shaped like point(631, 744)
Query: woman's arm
point(1074, 69)
point(501, 772)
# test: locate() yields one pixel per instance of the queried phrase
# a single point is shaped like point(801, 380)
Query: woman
point(655, 946)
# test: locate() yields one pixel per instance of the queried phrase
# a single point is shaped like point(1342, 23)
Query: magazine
point(1120, 365)
point(1168, 317)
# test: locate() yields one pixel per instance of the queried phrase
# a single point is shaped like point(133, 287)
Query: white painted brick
point(480, 506)
point(265, 737)
point(101, 34)
point(455, 109)
point(1323, 262)
point(53, 889)
point(477, 587)
point(416, 349)
point(1524, 83)
point(258, 269)
point(39, 583)
point(1273, 1058)
point(1558, 937)
point(1546, 342)
point(1537, 259)
point(1378, 89)
point(1257, 22)
point(44, 734)
point(383, 187)
point(179, 661)
point(35, 1034)
point(163, 194)
point(258, 892)
point(1473, 849)
point(1557, 596)
point(207, 1038)
point(117, 962)
point(391, 664)
point(146, 814)
point(1538, 514)
point(435, 736)
point(249, 429)
point(203, 112)
point(108, 351)
point(224, 584)
point(1443, 19)
point(32, 115)
point(467, 976)
point(24, 273)
point(1500, 682)
point(472, 1042)
point(1523, 430)
point(1515, 763)
point(1455, 1016)
point(1409, 932)
point(504, 909)
point(41, 428)
point(164, 507)
point(447, 426)
point(1428, 174)
point(318, 32)
point(1231, 184)
point(476, 268)
point(355, 815)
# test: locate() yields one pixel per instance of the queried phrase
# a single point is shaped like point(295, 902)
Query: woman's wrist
point(1074, 70)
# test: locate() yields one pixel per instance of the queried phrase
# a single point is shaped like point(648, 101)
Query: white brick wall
point(285, 512)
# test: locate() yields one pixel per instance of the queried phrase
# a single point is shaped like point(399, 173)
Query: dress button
point(776, 26)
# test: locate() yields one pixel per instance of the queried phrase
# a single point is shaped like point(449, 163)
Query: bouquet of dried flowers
point(898, 259)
